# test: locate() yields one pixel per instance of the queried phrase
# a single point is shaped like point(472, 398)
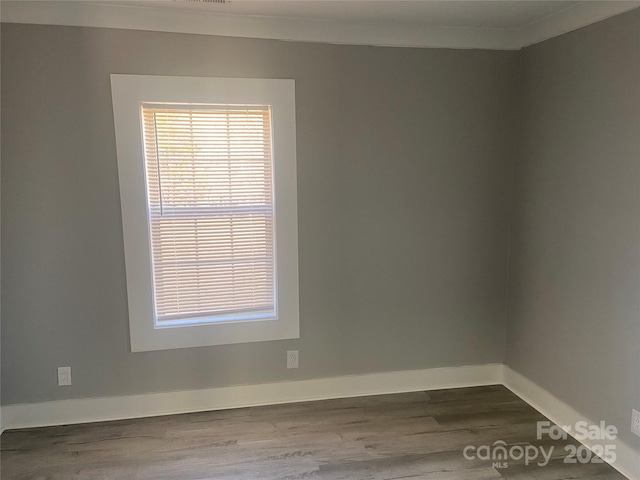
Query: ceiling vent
point(220, 2)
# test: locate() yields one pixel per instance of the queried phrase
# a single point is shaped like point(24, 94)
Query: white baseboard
point(168, 403)
point(627, 458)
point(86, 410)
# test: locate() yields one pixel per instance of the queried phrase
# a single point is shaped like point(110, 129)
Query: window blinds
point(210, 200)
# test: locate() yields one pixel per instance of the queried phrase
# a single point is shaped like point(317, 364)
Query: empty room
point(343, 240)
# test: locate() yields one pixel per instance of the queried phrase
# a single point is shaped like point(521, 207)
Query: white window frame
point(129, 92)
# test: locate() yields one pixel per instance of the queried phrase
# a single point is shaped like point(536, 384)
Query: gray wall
point(574, 302)
point(403, 171)
point(1, 424)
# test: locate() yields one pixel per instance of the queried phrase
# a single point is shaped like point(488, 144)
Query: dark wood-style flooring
point(406, 436)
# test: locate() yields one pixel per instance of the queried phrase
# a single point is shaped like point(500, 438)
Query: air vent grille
point(221, 2)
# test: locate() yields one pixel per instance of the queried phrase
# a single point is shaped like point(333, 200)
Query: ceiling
point(498, 25)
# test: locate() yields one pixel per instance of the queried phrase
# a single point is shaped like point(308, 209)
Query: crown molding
point(573, 18)
point(158, 18)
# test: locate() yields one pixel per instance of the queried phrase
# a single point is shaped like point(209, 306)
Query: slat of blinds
point(209, 186)
point(241, 299)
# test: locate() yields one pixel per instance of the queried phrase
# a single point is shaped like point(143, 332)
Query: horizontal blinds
point(209, 189)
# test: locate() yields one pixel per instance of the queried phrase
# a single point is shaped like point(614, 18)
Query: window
point(208, 191)
point(210, 200)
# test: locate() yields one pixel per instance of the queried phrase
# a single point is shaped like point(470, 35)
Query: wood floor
point(405, 436)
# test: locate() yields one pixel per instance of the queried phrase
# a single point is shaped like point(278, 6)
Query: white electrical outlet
point(64, 376)
point(292, 359)
point(635, 422)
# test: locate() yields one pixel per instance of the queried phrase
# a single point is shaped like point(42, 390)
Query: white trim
point(86, 410)
point(128, 93)
point(277, 28)
point(562, 414)
point(162, 19)
point(154, 404)
point(578, 16)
